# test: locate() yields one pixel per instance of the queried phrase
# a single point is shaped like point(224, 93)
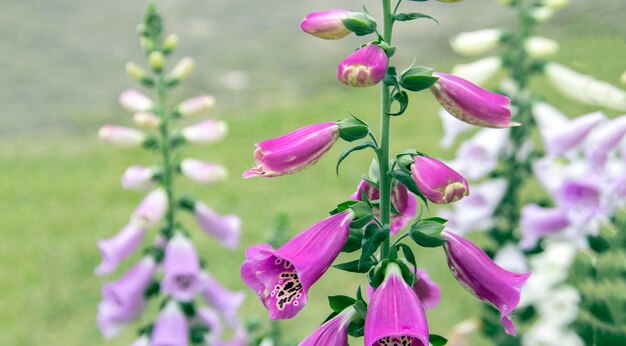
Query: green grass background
point(59, 186)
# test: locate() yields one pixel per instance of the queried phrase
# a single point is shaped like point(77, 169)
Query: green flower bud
point(156, 61)
point(170, 43)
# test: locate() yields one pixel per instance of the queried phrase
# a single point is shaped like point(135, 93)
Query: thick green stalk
point(385, 136)
point(168, 169)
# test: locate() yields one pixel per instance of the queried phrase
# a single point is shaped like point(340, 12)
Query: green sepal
point(188, 203)
point(339, 303)
point(408, 254)
point(360, 23)
point(403, 175)
point(404, 17)
point(153, 289)
point(357, 266)
point(189, 308)
point(437, 340)
point(356, 330)
point(391, 77)
point(343, 207)
point(352, 129)
point(376, 275)
point(427, 233)
point(354, 241)
point(150, 143)
point(418, 78)
point(364, 214)
point(408, 274)
point(368, 144)
point(197, 333)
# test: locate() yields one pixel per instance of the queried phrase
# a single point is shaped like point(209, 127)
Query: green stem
point(275, 333)
point(385, 138)
point(168, 169)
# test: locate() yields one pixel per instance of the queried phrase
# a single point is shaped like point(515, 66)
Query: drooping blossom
point(123, 300)
point(171, 327)
point(294, 151)
point(426, 289)
point(181, 267)
point(333, 332)
point(364, 68)
point(138, 178)
point(225, 229)
point(537, 222)
point(203, 172)
point(118, 247)
point(479, 156)
point(225, 301)
point(569, 134)
point(326, 24)
point(479, 71)
point(196, 105)
point(603, 140)
point(482, 277)
point(395, 315)
point(438, 182)
point(476, 42)
point(470, 103)
point(282, 277)
point(135, 101)
point(205, 132)
point(152, 208)
point(119, 136)
point(404, 202)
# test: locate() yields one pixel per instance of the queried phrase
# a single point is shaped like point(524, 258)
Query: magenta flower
point(135, 101)
point(171, 327)
point(225, 301)
point(151, 209)
point(120, 246)
point(121, 136)
point(537, 222)
point(363, 68)
point(294, 151)
point(203, 172)
point(482, 277)
point(282, 277)
point(123, 300)
point(181, 267)
point(605, 139)
point(326, 24)
point(559, 140)
point(395, 315)
point(210, 319)
point(333, 332)
point(138, 178)
point(402, 199)
point(439, 183)
point(226, 229)
point(426, 289)
point(470, 103)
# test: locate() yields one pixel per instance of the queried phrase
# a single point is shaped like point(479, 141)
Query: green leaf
point(437, 340)
point(354, 241)
point(357, 266)
point(372, 238)
point(403, 17)
point(417, 78)
point(339, 303)
point(391, 77)
point(426, 233)
point(436, 219)
point(402, 98)
point(368, 144)
point(408, 254)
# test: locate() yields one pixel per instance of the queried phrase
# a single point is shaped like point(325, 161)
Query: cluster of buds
point(194, 304)
point(385, 202)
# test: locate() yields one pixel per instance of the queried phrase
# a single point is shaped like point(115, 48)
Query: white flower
point(542, 14)
point(584, 88)
point(452, 128)
point(541, 47)
point(479, 156)
point(476, 42)
point(560, 308)
point(479, 71)
point(511, 258)
point(544, 334)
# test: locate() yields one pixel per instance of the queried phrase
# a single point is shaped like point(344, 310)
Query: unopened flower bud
point(203, 172)
point(195, 105)
point(541, 47)
point(476, 42)
point(147, 43)
point(137, 73)
point(364, 68)
point(138, 178)
point(151, 209)
point(182, 70)
point(555, 4)
point(135, 101)
point(170, 43)
point(146, 120)
point(156, 60)
point(121, 136)
point(542, 14)
point(439, 183)
point(205, 132)
point(326, 24)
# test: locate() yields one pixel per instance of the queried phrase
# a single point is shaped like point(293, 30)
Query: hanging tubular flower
point(294, 151)
point(121, 136)
point(120, 246)
point(470, 103)
point(569, 134)
point(404, 202)
point(282, 277)
point(181, 267)
point(537, 222)
point(482, 277)
point(171, 327)
point(439, 183)
point(333, 332)
point(426, 289)
point(476, 42)
point(326, 24)
point(604, 139)
point(151, 209)
point(123, 300)
point(227, 302)
point(395, 315)
point(364, 68)
point(138, 178)
point(135, 101)
point(226, 229)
